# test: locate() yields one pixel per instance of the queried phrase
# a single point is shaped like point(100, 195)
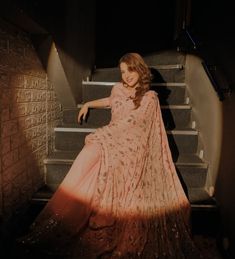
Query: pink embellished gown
point(122, 197)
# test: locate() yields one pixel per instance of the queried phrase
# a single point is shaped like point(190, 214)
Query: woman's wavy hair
point(136, 63)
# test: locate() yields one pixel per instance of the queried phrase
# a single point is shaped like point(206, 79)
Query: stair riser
point(164, 58)
point(159, 75)
point(192, 177)
point(75, 140)
point(168, 75)
point(55, 173)
point(95, 118)
point(175, 118)
point(167, 94)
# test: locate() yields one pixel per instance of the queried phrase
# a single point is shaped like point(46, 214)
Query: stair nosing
point(160, 67)
point(171, 107)
point(69, 129)
point(197, 165)
point(58, 161)
point(70, 161)
point(192, 205)
point(40, 199)
point(177, 107)
point(77, 129)
point(204, 206)
point(168, 67)
point(113, 83)
point(182, 132)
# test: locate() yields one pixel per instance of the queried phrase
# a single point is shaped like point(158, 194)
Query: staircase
point(183, 136)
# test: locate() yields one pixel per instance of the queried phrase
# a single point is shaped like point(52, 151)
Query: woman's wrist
point(86, 104)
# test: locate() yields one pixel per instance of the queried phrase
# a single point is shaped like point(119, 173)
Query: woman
point(122, 197)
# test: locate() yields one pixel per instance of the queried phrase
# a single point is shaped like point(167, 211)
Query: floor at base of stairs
point(207, 244)
point(208, 247)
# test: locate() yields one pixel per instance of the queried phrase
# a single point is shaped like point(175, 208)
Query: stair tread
point(192, 159)
point(89, 128)
point(72, 125)
point(111, 83)
point(158, 66)
point(198, 197)
point(170, 106)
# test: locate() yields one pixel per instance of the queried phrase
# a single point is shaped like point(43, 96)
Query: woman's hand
point(83, 112)
point(99, 103)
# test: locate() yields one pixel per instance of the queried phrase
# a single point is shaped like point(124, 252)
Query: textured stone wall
point(29, 110)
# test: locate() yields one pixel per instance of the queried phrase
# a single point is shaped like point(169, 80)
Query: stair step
point(167, 66)
point(181, 160)
point(191, 169)
point(165, 58)
point(168, 93)
point(200, 195)
point(46, 192)
point(161, 73)
point(174, 116)
point(180, 141)
point(109, 83)
point(77, 128)
point(205, 215)
point(156, 66)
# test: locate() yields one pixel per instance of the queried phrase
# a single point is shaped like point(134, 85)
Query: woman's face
point(131, 78)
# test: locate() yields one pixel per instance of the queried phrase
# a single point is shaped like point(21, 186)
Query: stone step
point(72, 139)
point(161, 73)
point(209, 204)
point(205, 223)
point(205, 215)
point(174, 116)
point(165, 58)
point(168, 93)
point(191, 169)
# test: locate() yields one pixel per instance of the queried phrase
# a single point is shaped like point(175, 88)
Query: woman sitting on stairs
point(122, 197)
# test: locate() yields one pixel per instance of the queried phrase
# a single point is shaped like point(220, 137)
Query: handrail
point(191, 38)
point(217, 78)
point(186, 36)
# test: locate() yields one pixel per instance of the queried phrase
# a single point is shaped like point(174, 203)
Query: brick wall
point(29, 110)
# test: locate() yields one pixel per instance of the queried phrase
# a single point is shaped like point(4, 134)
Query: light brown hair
point(136, 63)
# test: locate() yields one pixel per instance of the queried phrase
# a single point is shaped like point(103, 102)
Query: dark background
point(143, 26)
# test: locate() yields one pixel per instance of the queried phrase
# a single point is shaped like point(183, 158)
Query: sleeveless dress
point(122, 197)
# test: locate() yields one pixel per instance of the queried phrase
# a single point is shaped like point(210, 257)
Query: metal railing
point(188, 43)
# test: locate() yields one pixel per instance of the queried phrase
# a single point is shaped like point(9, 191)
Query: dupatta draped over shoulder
point(137, 206)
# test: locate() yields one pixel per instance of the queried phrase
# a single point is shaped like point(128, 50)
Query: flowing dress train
point(122, 197)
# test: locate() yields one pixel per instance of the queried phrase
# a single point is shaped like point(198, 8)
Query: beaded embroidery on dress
point(122, 197)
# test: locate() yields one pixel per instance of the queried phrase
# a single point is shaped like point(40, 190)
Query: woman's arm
point(99, 103)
